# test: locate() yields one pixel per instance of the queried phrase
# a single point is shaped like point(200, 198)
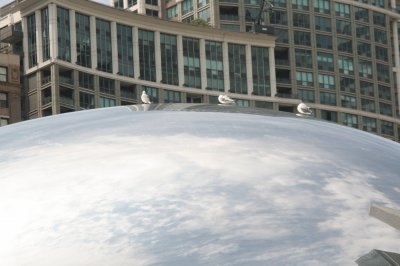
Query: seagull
point(145, 98)
point(225, 99)
point(303, 109)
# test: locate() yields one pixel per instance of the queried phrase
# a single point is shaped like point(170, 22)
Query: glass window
point(251, 14)
point(172, 96)
point(385, 109)
point(147, 55)
point(346, 65)
point(380, 36)
point(152, 2)
point(349, 120)
point(324, 41)
point(237, 70)
point(348, 101)
point(128, 90)
point(229, 13)
point(205, 14)
point(387, 128)
point(381, 53)
point(214, 66)
point(278, 17)
point(369, 124)
point(191, 62)
point(322, 6)
point(306, 95)
point(172, 12)
point(302, 38)
point(329, 115)
point(230, 27)
point(83, 49)
point(280, 3)
point(169, 59)
point(3, 74)
point(242, 103)
point(363, 32)
point(187, 6)
point(383, 73)
point(304, 58)
point(366, 88)
point(119, 4)
point(45, 34)
point(327, 98)
point(86, 81)
point(151, 13)
point(326, 81)
point(345, 45)
point(347, 84)
point(260, 65)
point(342, 10)
point(281, 35)
point(104, 53)
point(379, 19)
point(300, 4)
point(64, 41)
point(384, 92)
point(361, 14)
point(367, 105)
point(125, 50)
point(202, 3)
point(132, 3)
point(86, 100)
point(325, 61)
point(153, 93)
point(301, 20)
point(3, 100)
point(343, 27)
point(106, 102)
point(304, 78)
point(107, 85)
point(266, 105)
point(32, 57)
point(323, 24)
point(365, 68)
point(364, 49)
point(380, 3)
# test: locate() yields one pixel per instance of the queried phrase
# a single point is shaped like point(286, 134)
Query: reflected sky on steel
point(166, 187)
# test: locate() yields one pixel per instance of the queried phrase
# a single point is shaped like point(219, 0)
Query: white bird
point(225, 99)
point(303, 109)
point(145, 98)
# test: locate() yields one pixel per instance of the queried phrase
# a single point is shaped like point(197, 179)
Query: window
point(230, 27)
point(381, 53)
point(325, 61)
point(387, 128)
point(380, 3)
point(280, 3)
point(172, 96)
point(324, 41)
point(384, 92)
point(3, 74)
point(323, 24)
point(266, 105)
point(379, 19)
point(366, 88)
point(83, 49)
point(345, 45)
point(278, 17)
point(132, 3)
point(361, 14)
point(348, 101)
point(86, 100)
point(64, 43)
point(342, 10)
point(147, 58)
point(237, 70)
point(383, 73)
point(369, 124)
point(152, 13)
point(107, 85)
point(322, 6)
point(3, 100)
point(367, 105)
point(251, 14)
point(86, 81)
point(104, 53)
point(281, 35)
point(327, 98)
point(306, 95)
point(119, 4)
point(172, 12)
point(385, 109)
point(169, 59)
point(301, 20)
point(106, 102)
point(229, 13)
point(304, 58)
point(205, 14)
point(202, 3)
point(153, 93)
point(32, 57)
point(214, 66)
point(128, 91)
point(302, 38)
point(304, 78)
point(329, 115)
point(364, 49)
point(326, 81)
point(343, 27)
point(261, 77)
point(347, 84)
point(191, 62)
point(380, 36)
point(242, 103)
point(187, 6)
point(363, 32)
point(45, 34)
point(346, 65)
point(300, 4)
point(365, 68)
point(125, 50)
point(152, 2)
point(349, 120)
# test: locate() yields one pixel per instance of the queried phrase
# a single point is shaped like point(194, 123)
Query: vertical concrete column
point(125, 4)
point(114, 47)
point(158, 56)
point(75, 78)
point(93, 42)
point(181, 73)
point(25, 43)
point(136, 61)
point(203, 64)
point(53, 32)
point(272, 77)
point(249, 70)
point(396, 57)
point(96, 91)
point(72, 32)
point(225, 60)
point(39, 52)
point(55, 91)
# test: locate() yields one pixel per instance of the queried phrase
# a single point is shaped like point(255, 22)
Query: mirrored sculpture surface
point(193, 184)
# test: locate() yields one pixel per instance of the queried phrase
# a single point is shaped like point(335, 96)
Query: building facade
point(341, 57)
point(337, 56)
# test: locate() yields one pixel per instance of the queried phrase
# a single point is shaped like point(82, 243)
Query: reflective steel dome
point(193, 184)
